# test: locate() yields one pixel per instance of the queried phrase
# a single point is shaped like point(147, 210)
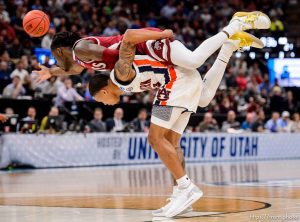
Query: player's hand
point(169, 34)
point(43, 74)
point(3, 118)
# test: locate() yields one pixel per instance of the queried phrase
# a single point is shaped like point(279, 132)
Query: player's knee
point(204, 103)
point(205, 98)
point(193, 63)
point(154, 139)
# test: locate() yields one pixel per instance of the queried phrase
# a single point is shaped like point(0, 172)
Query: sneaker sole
point(242, 14)
point(255, 42)
point(183, 212)
point(189, 202)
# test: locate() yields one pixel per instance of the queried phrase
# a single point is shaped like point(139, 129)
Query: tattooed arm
point(123, 68)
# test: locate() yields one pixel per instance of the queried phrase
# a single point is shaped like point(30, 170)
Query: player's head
point(104, 90)
point(61, 48)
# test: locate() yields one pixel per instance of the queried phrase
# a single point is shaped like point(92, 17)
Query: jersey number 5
point(98, 66)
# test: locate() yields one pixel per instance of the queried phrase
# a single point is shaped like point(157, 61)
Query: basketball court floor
point(233, 191)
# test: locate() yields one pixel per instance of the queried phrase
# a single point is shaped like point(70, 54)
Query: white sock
point(226, 51)
point(183, 182)
point(233, 28)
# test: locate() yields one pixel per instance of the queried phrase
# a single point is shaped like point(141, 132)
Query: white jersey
point(176, 86)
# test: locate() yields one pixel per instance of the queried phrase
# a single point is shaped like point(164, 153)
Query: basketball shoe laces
point(250, 19)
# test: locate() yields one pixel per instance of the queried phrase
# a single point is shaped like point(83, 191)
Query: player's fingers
point(42, 66)
point(40, 80)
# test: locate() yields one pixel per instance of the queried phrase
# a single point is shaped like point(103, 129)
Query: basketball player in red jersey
point(73, 54)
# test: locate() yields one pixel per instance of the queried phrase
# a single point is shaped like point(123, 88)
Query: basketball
point(36, 23)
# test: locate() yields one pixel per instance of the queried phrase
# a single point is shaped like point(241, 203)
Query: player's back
point(152, 74)
point(176, 86)
point(107, 62)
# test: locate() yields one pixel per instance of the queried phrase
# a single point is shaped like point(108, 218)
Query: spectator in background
point(285, 123)
point(259, 124)
point(51, 86)
point(3, 13)
point(97, 124)
point(53, 123)
point(116, 124)
point(87, 75)
point(255, 72)
point(296, 123)
point(67, 93)
point(225, 106)
point(230, 78)
point(19, 71)
point(276, 100)
point(168, 10)
point(111, 29)
point(29, 123)
point(272, 125)
point(4, 71)
point(31, 114)
point(209, 124)
point(87, 95)
point(241, 81)
point(290, 103)
point(231, 124)
point(265, 85)
point(29, 87)
point(15, 89)
point(141, 124)
point(47, 39)
point(12, 123)
point(4, 75)
point(248, 123)
point(252, 106)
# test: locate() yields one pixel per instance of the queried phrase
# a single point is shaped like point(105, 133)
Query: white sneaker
point(183, 200)
point(162, 211)
point(252, 20)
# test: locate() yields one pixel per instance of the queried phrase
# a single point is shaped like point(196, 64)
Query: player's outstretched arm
point(86, 50)
point(46, 73)
point(123, 68)
point(136, 36)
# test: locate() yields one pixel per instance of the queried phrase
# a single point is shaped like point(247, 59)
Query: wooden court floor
point(239, 191)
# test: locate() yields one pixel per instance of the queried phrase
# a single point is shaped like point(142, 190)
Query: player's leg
point(183, 57)
point(162, 120)
point(213, 77)
point(174, 139)
point(186, 192)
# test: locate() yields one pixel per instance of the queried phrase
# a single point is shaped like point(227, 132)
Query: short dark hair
point(64, 39)
point(97, 82)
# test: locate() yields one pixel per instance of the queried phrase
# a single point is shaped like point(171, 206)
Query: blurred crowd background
point(245, 101)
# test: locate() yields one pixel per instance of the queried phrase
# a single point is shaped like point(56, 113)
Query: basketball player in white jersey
point(180, 91)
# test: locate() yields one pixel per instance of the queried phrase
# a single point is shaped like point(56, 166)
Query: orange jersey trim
point(173, 77)
point(149, 62)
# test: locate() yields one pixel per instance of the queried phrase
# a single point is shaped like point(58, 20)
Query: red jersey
point(111, 54)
